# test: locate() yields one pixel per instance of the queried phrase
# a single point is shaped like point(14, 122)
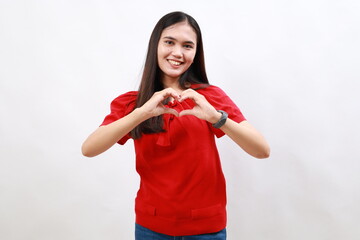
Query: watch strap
point(222, 120)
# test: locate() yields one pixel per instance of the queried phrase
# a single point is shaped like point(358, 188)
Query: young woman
point(173, 119)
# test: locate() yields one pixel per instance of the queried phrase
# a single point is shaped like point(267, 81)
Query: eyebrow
point(172, 38)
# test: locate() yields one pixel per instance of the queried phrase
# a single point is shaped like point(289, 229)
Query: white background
point(291, 66)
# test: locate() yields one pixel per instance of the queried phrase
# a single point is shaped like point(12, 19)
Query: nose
point(177, 52)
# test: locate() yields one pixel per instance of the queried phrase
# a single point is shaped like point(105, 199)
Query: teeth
point(174, 62)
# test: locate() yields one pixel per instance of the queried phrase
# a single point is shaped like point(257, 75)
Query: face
point(176, 50)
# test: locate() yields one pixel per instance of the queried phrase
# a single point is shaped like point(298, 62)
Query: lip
point(171, 62)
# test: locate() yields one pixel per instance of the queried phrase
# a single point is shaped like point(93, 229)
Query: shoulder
point(125, 100)
point(215, 96)
point(121, 106)
point(208, 90)
point(126, 97)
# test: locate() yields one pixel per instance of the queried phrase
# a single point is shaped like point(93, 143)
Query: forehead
point(181, 31)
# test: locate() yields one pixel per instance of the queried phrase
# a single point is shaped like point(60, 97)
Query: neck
point(171, 83)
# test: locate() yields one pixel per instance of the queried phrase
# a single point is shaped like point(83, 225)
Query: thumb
point(186, 112)
point(171, 111)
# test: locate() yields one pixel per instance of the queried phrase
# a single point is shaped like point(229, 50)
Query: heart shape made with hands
point(179, 106)
point(189, 102)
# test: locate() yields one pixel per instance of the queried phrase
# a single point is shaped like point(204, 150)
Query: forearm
point(247, 137)
point(106, 136)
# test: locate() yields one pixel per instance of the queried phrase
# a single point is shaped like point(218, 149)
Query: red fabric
point(182, 188)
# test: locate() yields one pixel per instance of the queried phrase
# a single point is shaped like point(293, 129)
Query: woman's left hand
point(203, 109)
point(246, 136)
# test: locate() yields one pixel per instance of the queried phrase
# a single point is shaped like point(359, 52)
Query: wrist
point(215, 118)
point(222, 120)
point(141, 114)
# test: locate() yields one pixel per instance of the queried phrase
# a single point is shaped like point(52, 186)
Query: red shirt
point(182, 187)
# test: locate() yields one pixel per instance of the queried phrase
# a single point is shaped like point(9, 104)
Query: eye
point(169, 42)
point(188, 46)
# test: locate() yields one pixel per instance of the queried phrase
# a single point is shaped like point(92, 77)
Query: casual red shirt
point(182, 187)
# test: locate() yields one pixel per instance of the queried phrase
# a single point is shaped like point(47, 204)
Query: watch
point(222, 120)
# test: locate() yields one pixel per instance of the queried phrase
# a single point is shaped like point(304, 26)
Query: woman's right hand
point(155, 107)
point(106, 136)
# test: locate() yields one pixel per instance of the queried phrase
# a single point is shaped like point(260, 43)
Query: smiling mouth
point(172, 62)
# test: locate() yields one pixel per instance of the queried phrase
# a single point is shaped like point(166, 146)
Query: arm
point(243, 134)
point(106, 136)
point(247, 137)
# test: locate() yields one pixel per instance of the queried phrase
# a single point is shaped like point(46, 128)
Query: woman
point(172, 119)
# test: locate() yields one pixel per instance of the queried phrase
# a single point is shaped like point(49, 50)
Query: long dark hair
point(151, 78)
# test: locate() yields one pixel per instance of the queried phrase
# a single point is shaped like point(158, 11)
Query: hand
point(155, 107)
point(203, 109)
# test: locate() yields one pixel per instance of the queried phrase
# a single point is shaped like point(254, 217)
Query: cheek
point(191, 58)
point(163, 51)
point(159, 51)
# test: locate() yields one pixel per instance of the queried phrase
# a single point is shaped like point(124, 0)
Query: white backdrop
point(291, 66)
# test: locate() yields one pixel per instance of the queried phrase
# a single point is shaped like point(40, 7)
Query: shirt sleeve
point(120, 107)
point(218, 98)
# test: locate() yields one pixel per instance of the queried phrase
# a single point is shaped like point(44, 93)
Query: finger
point(187, 112)
point(189, 90)
point(169, 92)
point(171, 111)
point(191, 94)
